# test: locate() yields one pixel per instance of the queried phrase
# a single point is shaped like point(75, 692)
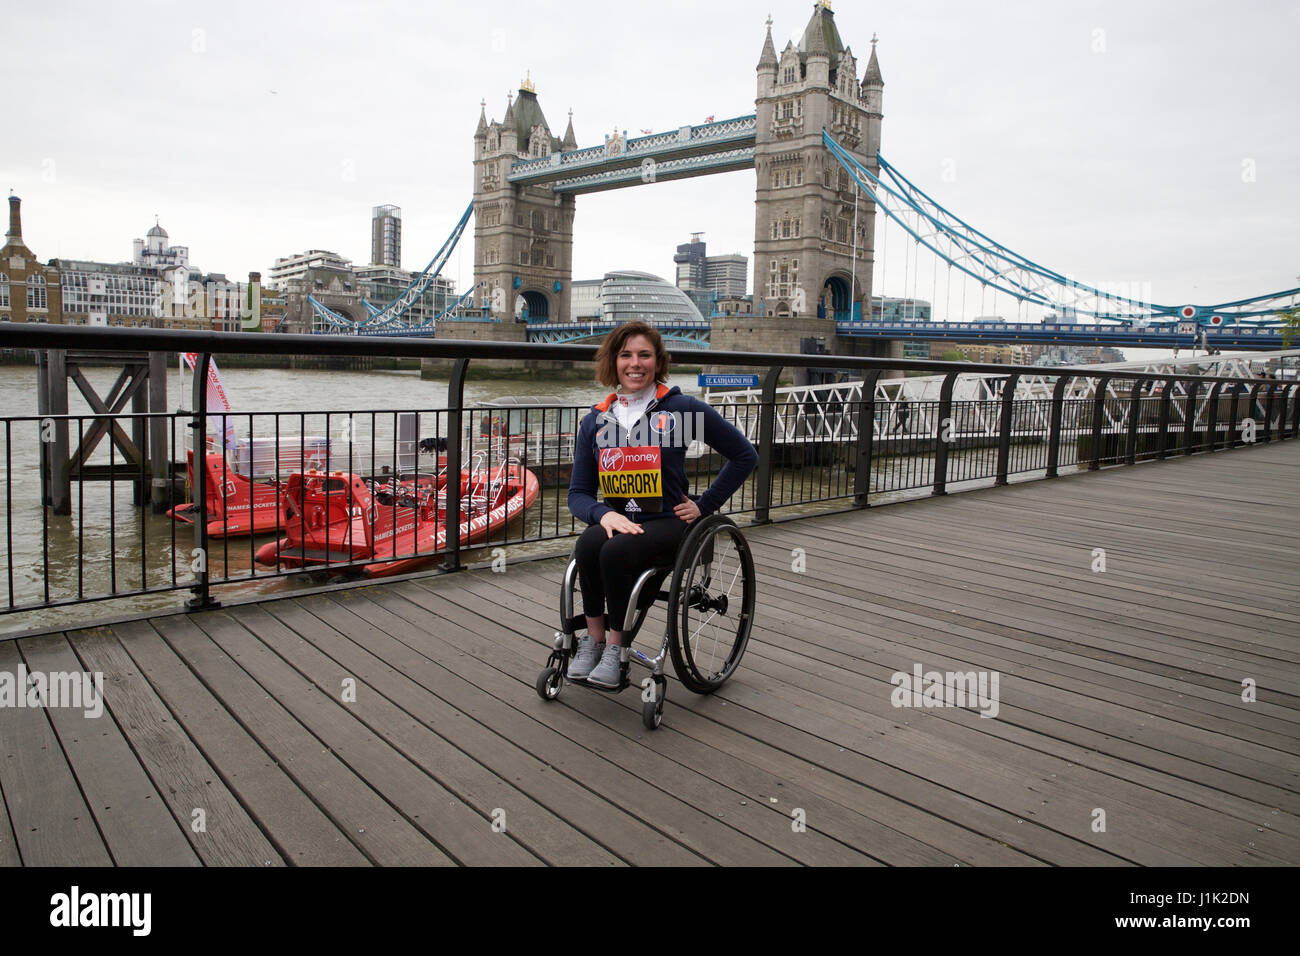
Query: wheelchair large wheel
point(710, 604)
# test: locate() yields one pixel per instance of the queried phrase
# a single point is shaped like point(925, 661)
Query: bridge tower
point(807, 263)
point(523, 235)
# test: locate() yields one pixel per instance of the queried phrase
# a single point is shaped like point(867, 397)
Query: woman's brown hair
point(607, 354)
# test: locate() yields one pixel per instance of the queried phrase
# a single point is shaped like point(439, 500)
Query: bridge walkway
point(1121, 735)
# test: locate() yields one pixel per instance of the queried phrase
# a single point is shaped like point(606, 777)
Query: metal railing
point(93, 547)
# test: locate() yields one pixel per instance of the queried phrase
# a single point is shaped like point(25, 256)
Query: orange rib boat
point(342, 518)
point(236, 505)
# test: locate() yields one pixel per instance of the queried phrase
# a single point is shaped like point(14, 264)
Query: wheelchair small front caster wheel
point(549, 683)
point(652, 707)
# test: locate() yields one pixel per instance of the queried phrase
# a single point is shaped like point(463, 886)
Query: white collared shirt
point(630, 407)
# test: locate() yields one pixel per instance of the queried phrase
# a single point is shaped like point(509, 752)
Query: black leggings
point(608, 567)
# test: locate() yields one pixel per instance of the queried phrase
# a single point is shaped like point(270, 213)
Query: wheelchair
point(710, 614)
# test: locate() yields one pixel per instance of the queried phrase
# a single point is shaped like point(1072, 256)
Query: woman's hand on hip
point(688, 510)
point(614, 523)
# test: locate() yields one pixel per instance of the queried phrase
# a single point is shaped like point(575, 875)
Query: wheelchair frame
point(699, 541)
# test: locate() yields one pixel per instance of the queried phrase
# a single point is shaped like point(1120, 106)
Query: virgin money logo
point(611, 459)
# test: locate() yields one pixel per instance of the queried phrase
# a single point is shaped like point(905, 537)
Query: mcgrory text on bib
point(631, 479)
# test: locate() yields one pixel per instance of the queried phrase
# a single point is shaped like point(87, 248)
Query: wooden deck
point(227, 738)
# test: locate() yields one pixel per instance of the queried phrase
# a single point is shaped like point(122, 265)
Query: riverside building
point(157, 288)
point(386, 236)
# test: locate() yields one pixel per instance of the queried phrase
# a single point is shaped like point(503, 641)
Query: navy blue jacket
point(686, 418)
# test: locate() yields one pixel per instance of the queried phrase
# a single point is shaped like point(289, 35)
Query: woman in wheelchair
point(632, 448)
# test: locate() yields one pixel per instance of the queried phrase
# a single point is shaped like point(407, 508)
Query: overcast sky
point(1150, 143)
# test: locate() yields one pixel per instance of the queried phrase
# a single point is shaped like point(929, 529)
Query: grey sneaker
point(606, 673)
point(586, 657)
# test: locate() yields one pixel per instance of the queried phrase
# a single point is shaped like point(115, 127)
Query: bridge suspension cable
point(395, 310)
point(999, 269)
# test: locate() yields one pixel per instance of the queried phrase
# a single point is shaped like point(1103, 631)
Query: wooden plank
point(377, 829)
point(301, 833)
point(9, 855)
point(1147, 653)
point(396, 709)
point(462, 830)
point(1051, 710)
point(186, 780)
point(1037, 518)
point(1189, 609)
point(51, 822)
point(884, 695)
point(837, 591)
point(1093, 626)
point(752, 722)
point(835, 661)
point(465, 721)
point(129, 810)
point(942, 550)
point(1259, 763)
point(680, 774)
point(887, 829)
point(604, 761)
point(1044, 654)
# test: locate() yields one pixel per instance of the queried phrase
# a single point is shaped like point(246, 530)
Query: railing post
point(60, 466)
point(1166, 403)
point(766, 436)
point(199, 428)
point(1284, 394)
point(1212, 419)
point(1098, 416)
point(1268, 413)
point(1134, 417)
point(159, 461)
point(943, 434)
point(1004, 428)
point(43, 410)
point(1054, 425)
point(1189, 416)
point(1295, 411)
point(866, 439)
point(1237, 389)
point(1254, 404)
point(455, 432)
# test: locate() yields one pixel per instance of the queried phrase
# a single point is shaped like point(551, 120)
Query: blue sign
point(728, 381)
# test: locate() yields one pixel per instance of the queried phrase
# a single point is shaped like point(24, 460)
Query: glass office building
point(640, 296)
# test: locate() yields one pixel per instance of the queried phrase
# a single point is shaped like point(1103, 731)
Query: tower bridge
point(814, 142)
point(813, 231)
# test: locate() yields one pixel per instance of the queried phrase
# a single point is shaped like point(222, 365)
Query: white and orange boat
point(339, 517)
point(236, 505)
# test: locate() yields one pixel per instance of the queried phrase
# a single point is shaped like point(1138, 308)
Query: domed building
point(155, 252)
point(629, 296)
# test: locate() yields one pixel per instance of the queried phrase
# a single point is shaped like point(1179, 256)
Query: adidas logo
point(631, 505)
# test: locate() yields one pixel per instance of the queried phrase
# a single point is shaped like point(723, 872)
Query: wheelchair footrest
point(623, 685)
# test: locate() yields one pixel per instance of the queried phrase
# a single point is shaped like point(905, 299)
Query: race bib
point(631, 479)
